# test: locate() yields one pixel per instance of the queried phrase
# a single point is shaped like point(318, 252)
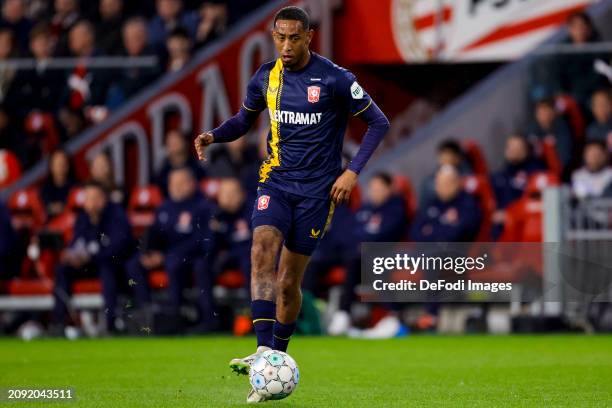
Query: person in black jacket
point(547, 123)
point(509, 182)
point(232, 229)
point(7, 244)
point(54, 191)
point(38, 88)
point(102, 242)
point(452, 216)
point(179, 241)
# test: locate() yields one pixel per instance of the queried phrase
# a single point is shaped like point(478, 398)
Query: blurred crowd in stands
point(191, 226)
point(43, 106)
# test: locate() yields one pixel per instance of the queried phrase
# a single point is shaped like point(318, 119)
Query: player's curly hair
point(293, 13)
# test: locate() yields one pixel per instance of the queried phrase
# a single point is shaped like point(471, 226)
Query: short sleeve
point(255, 100)
point(349, 91)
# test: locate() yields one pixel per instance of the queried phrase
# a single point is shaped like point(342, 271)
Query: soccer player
point(309, 100)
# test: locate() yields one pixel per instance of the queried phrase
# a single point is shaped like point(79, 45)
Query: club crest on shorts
point(262, 202)
point(313, 94)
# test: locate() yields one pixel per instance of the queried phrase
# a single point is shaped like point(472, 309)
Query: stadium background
point(456, 79)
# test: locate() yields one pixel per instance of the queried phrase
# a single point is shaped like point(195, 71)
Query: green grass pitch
point(470, 371)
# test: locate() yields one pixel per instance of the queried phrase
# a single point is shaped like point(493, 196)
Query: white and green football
point(274, 375)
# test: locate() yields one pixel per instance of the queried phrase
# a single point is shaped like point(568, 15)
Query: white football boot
point(241, 366)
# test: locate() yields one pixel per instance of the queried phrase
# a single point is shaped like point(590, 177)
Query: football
point(274, 374)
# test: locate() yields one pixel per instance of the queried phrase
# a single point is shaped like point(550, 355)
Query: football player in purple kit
point(309, 100)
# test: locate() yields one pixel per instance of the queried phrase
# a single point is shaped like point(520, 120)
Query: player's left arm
point(363, 107)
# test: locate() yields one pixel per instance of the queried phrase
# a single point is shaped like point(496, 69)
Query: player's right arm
point(239, 124)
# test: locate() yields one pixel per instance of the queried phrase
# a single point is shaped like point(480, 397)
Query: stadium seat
point(550, 156)
point(28, 287)
point(524, 217)
point(335, 276)
point(231, 279)
point(354, 202)
point(402, 185)
point(480, 187)
point(27, 217)
point(158, 279)
point(42, 126)
point(27, 210)
point(10, 168)
point(64, 223)
point(141, 207)
point(568, 107)
point(86, 286)
point(475, 157)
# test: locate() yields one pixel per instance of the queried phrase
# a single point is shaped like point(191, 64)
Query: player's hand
point(201, 141)
point(341, 190)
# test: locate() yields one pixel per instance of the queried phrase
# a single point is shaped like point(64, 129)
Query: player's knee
point(263, 252)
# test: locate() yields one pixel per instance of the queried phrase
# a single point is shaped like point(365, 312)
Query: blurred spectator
point(449, 152)
point(595, 176)
point(232, 229)
point(39, 88)
point(381, 219)
point(130, 80)
point(86, 86)
point(7, 244)
point(601, 106)
point(14, 18)
point(101, 171)
point(54, 192)
point(575, 73)
point(170, 15)
point(179, 241)
point(236, 159)
point(7, 73)
point(65, 17)
point(109, 26)
point(547, 123)
point(452, 216)
point(179, 49)
point(510, 181)
point(177, 156)
point(213, 22)
point(101, 244)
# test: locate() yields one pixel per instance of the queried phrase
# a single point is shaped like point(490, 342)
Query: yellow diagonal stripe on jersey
point(273, 95)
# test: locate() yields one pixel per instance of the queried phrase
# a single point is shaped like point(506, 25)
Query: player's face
point(291, 42)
